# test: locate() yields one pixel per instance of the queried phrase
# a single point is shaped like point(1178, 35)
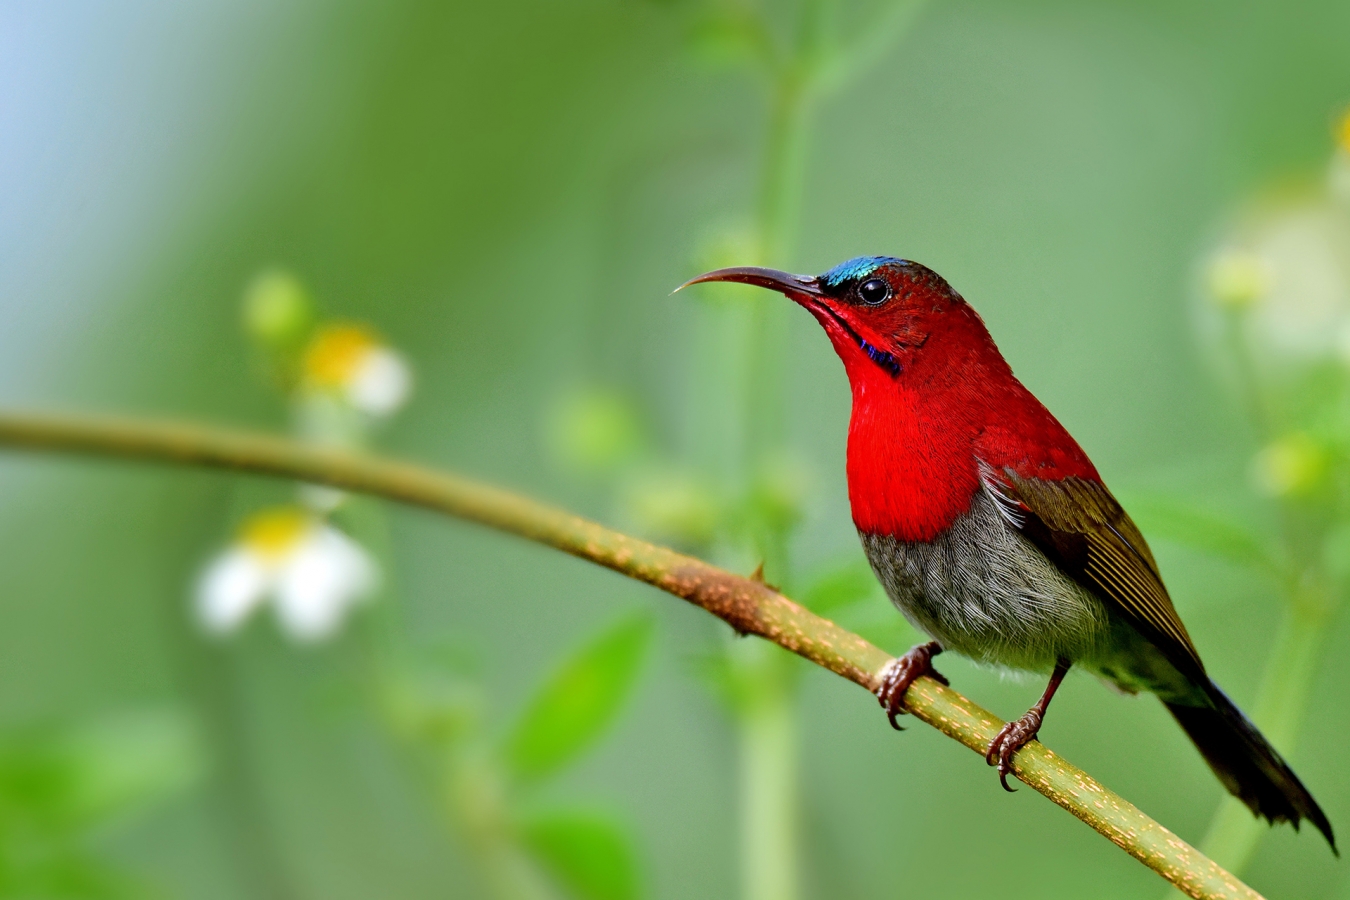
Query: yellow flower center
point(274, 533)
point(1238, 279)
point(1293, 465)
point(1343, 132)
point(335, 353)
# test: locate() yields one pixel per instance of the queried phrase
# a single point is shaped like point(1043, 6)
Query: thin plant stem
point(1286, 682)
point(768, 729)
point(471, 788)
point(748, 606)
point(1280, 711)
point(1250, 394)
point(476, 797)
point(767, 725)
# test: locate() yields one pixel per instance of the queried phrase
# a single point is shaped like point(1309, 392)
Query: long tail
point(1246, 763)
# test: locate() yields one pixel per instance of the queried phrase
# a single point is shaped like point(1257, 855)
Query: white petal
point(231, 588)
point(320, 581)
point(380, 383)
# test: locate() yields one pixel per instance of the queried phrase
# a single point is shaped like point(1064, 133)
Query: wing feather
point(1081, 527)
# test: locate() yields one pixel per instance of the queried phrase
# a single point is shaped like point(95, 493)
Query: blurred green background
point(508, 193)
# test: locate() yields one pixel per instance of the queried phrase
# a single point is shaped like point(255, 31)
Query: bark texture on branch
point(747, 605)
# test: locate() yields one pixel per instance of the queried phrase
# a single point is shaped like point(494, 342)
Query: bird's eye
point(874, 292)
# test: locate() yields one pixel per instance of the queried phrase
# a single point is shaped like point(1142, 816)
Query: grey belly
point(986, 592)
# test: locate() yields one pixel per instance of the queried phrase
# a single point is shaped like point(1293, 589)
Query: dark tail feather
point(1247, 765)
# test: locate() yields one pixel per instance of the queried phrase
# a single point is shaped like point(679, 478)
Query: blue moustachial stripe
point(858, 267)
point(881, 358)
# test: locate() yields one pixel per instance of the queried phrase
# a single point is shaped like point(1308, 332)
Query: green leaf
point(590, 856)
point(575, 705)
point(1178, 521)
point(840, 586)
point(731, 38)
point(80, 775)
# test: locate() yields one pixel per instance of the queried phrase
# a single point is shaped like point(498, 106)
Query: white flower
point(1285, 267)
point(1307, 249)
point(1287, 271)
point(311, 571)
point(349, 362)
point(380, 382)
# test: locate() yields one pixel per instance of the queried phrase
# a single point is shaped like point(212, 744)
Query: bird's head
point(878, 311)
point(933, 399)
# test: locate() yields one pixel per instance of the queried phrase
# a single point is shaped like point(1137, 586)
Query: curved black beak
point(774, 280)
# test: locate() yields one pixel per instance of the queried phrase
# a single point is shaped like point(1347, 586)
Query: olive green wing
point(1081, 528)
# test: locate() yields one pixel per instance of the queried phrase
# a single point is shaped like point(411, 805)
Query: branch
point(748, 606)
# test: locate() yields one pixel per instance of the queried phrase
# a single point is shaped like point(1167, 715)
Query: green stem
point(1249, 390)
point(476, 797)
point(766, 726)
point(784, 164)
point(250, 832)
point(471, 786)
point(770, 808)
point(1286, 684)
point(750, 607)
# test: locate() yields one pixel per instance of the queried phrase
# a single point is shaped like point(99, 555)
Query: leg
point(900, 674)
point(1016, 735)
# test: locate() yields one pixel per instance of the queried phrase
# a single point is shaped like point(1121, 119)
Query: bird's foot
point(900, 673)
point(1011, 738)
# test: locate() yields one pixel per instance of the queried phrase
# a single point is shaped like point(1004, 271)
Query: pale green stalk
point(768, 727)
point(1282, 699)
point(767, 714)
point(770, 807)
point(1280, 711)
point(476, 797)
point(471, 786)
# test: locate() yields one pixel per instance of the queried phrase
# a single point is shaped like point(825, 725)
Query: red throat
point(917, 438)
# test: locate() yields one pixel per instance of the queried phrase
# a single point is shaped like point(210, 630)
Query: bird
point(993, 533)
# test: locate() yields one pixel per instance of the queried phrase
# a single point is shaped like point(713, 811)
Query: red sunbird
point(991, 530)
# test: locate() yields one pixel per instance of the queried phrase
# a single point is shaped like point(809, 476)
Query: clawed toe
point(1017, 734)
point(1011, 738)
point(901, 673)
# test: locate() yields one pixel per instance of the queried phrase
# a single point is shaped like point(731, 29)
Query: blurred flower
point(779, 491)
point(728, 244)
point(675, 505)
point(1237, 278)
point(1291, 466)
point(312, 572)
point(1289, 271)
point(729, 36)
point(277, 309)
point(595, 430)
point(349, 362)
point(1286, 266)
